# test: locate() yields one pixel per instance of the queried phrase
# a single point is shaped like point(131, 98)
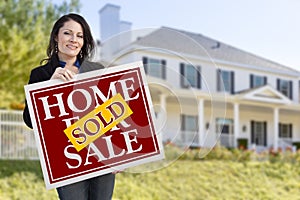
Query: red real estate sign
point(100, 122)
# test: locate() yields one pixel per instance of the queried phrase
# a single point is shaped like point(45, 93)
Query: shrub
point(173, 152)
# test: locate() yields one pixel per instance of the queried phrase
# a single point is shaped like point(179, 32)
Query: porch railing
point(286, 143)
point(227, 140)
point(188, 138)
point(16, 140)
point(191, 138)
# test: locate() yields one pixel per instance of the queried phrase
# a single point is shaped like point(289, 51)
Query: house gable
point(265, 94)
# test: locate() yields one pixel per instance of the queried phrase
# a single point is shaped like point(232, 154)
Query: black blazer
point(45, 72)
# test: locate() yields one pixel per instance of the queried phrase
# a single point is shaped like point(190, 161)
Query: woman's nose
point(74, 38)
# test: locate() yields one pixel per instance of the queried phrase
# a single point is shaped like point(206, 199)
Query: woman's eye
point(80, 36)
point(66, 33)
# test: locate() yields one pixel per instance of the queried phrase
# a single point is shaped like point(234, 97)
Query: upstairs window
point(285, 87)
point(225, 81)
point(155, 67)
point(256, 81)
point(190, 76)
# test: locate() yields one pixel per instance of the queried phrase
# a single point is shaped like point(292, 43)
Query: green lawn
point(181, 179)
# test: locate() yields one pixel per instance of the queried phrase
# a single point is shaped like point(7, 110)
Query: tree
point(25, 27)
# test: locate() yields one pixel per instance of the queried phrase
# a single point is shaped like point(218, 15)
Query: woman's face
point(69, 40)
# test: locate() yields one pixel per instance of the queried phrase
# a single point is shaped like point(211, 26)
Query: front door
point(225, 128)
point(259, 133)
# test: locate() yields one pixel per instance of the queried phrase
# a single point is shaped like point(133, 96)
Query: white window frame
point(225, 84)
point(258, 81)
point(284, 87)
point(285, 131)
point(154, 66)
point(185, 118)
point(190, 77)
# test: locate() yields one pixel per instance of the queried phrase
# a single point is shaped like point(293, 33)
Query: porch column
point(276, 121)
point(201, 131)
point(161, 116)
point(236, 122)
point(162, 103)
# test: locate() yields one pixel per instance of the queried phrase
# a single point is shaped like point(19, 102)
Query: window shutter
point(265, 80)
point(163, 65)
point(291, 89)
point(232, 82)
point(199, 77)
point(278, 84)
point(279, 130)
point(291, 130)
point(265, 133)
point(251, 81)
point(145, 63)
point(252, 132)
point(182, 74)
point(182, 122)
point(219, 80)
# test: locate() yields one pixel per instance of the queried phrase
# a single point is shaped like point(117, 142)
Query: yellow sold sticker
point(96, 123)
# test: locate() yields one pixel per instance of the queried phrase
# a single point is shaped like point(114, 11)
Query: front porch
point(262, 117)
point(189, 139)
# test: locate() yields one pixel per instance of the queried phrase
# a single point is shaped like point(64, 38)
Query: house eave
point(216, 62)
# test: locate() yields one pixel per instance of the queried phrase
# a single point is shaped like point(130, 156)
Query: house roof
point(188, 43)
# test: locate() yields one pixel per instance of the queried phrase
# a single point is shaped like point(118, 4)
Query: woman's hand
point(63, 74)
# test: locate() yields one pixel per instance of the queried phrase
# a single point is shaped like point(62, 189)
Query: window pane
point(226, 78)
point(258, 81)
point(259, 133)
point(284, 87)
point(224, 125)
point(285, 131)
point(190, 123)
point(225, 129)
point(190, 75)
point(154, 68)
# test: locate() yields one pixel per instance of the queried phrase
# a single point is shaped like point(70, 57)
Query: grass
point(213, 180)
point(183, 178)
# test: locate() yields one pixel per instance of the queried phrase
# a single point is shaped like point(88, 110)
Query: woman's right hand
point(63, 74)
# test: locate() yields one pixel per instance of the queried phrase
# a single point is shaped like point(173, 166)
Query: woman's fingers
point(63, 74)
point(68, 74)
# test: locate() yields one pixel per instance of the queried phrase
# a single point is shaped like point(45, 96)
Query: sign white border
point(88, 75)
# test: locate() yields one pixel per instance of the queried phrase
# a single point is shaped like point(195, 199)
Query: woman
point(71, 43)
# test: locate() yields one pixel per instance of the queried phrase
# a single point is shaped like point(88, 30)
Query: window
point(189, 123)
point(225, 81)
point(224, 126)
point(259, 133)
point(285, 130)
point(155, 67)
point(256, 81)
point(190, 76)
point(285, 87)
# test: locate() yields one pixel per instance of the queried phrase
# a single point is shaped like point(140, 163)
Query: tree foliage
point(25, 27)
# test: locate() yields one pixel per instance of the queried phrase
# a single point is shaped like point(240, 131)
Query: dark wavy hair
point(88, 41)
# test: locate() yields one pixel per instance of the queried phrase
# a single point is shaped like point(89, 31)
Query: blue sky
point(268, 28)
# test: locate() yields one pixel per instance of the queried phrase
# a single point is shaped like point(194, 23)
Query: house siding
point(263, 111)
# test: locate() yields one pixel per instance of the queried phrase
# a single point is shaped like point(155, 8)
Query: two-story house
point(204, 91)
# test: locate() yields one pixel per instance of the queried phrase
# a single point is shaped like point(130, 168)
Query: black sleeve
point(37, 75)
point(26, 116)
